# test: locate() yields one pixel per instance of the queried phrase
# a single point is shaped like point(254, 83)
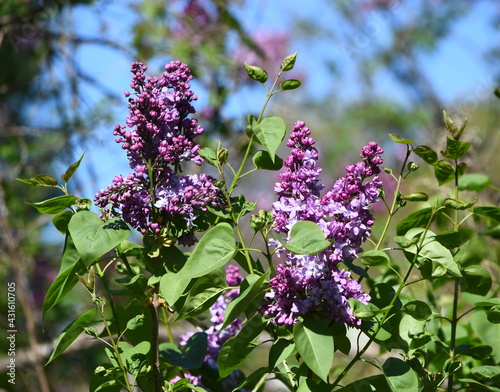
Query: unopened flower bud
point(417, 196)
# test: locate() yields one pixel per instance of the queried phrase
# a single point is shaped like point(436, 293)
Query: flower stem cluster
point(158, 137)
point(314, 283)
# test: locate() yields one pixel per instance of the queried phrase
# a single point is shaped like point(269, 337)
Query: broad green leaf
point(489, 212)
point(375, 383)
point(444, 172)
point(402, 241)
point(280, 351)
point(204, 293)
point(374, 258)
point(400, 139)
point(481, 352)
point(252, 293)
point(474, 182)
point(71, 332)
point(209, 155)
point(306, 237)
point(427, 154)
point(314, 343)
point(93, 238)
point(487, 373)
point(43, 180)
point(288, 62)
point(308, 385)
point(400, 376)
point(216, 248)
point(270, 132)
point(290, 84)
point(476, 280)
point(61, 286)
point(54, 205)
point(479, 386)
point(71, 170)
point(256, 73)
point(488, 302)
point(131, 356)
point(419, 310)
point(253, 378)
point(418, 218)
point(61, 221)
point(493, 315)
point(455, 149)
point(191, 356)
point(487, 332)
point(236, 349)
point(432, 255)
point(172, 288)
point(262, 160)
point(451, 239)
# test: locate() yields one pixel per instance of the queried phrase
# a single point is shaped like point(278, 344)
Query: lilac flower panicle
point(158, 136)
point(216, 336)
point(314, 283)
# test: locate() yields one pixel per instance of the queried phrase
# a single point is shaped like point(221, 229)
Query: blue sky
point(457, 69)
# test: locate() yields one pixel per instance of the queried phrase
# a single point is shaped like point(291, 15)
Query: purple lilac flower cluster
point(314, 283)
point(158, 137)
point(216, 336)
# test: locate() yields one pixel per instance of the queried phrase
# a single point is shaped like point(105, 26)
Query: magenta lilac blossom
point(314, 283)
point(158, 138)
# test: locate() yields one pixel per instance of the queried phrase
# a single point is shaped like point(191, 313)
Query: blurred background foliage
point(369, 67)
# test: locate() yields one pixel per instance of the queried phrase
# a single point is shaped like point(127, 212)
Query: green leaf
point(427, 154)
point(419, 310)
point(43, 180)
point(61, 221)
point(314, 343)
point(204, 293)
point(444, 172)
point(135, 322)
point(100, 379)
point(415, 197)
point(374, 258)
point(487, 332)
point(402, 241)
point(290, 84)
point(375, 383)
point(433, 255)
point(132, 357)
point(251, 291)
point(309, 385)
point(71, 332)
point(399, 139)
point(71, 170)
point(474, 182)
point(280, 351)
point(256, 73)
point(209, 155)
point(451, 239)
point(486, 373)
point(270, 132)
point(489, 212)
point(54, 205)
point(481, 352)
point(479, 386)
point(455, 149)
point(306, 238)
point(262, 160)
point(61, 286)
point(191, 356)
point(215, 249)
point(288, 62)
point(458, 204)
point(493, 315)
point(236, 349)
point(418, 218)
point(94, 238)
point(400, 376)
point(476, 280)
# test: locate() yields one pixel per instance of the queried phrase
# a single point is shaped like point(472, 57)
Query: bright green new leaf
point(455, 149)
point(288, 62)
point(290, 84)
point(270, 132)
point(427, 154)
point(400, 376)
point(43, 180)
point(71, 332)
point(444, 172)
point(54, 205)
point(256, 73)
point(71, 170)
point(204, 293)
point(209, 155)
point(474, 182)
point(400, 139)
point(93, 238)
point(315, 345)
point(374, 258)
point(216, 248)
point(262, 160)
point(306, 238)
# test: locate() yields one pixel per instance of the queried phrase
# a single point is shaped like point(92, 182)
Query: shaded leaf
point(191, 356)
point(427, 154)
point(476, 280)
point(419, 310)
point(489, 212)
point(262, 160)
point(418, 218)
point(42, 180)
point(455, 149)
point(444, 172)
point(54, 205)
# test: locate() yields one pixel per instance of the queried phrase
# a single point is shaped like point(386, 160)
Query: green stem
point(155, 352)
